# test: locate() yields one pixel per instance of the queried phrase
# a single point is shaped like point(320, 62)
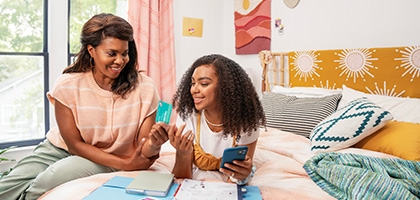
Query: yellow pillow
point(400, 139)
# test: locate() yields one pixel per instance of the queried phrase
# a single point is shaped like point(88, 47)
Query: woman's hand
point(183, 143)
point(137, 161)
point(158, 135)
point(239, 169)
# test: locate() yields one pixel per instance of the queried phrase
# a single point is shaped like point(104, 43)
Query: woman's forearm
point(149, 150)
point(97, 155)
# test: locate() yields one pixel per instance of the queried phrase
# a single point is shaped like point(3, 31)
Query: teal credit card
point(164, 112)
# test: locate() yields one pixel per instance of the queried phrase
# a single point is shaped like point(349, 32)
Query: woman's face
point(203, 87)
point(110, 58)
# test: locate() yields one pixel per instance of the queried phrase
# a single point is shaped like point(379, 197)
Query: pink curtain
point(152, 21)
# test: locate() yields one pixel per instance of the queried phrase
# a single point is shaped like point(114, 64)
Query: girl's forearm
point(183, 166)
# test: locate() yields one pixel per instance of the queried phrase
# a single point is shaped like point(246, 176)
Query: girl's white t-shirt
point(214, 142)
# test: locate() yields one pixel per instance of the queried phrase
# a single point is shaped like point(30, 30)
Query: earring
point(91, 61)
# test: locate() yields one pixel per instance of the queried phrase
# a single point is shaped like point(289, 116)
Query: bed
point(341, 124)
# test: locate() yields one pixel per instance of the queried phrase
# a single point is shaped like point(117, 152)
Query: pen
point(176, 191)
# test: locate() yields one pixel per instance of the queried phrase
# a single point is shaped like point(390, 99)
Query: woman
point(105, 110)
point(220, 108)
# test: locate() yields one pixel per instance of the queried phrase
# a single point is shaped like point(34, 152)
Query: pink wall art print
point(252, 26)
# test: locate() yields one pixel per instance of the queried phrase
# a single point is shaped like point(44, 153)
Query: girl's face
point(110, 58)
point(203, 87)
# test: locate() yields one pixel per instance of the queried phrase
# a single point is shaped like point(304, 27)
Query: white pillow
point(348, 125)
point(305, 91)
point(403, 109)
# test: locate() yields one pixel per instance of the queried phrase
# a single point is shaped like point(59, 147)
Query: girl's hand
point(183, 143)
point(239, 169)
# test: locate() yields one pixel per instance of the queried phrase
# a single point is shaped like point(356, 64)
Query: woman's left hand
point(239, 169)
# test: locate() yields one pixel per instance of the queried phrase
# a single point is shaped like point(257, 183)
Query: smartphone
point(233, 153)
point(164, 112)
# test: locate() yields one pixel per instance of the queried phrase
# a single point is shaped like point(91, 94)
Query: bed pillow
point(403, 109)
point(297, 115)
point(305, 91)
point(348, 125)
point(400, 139)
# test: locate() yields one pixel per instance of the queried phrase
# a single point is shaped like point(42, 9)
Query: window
point(23, 67)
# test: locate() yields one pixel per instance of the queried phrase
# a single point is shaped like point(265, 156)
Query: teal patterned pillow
point(348, 125)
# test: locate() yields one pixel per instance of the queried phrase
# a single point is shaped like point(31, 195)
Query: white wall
point(331, 24)
point(57, 34)
point(218, 34)
point(187, 49)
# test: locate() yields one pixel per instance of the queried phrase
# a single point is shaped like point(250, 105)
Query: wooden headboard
point(273, 64)
point(393, 71)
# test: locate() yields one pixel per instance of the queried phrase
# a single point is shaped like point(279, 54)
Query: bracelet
point(246, 180)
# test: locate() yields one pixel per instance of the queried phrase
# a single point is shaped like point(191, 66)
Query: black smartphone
point(233, 153)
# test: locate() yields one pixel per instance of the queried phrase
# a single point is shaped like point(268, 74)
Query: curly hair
point(236, 96)
point(96, 29)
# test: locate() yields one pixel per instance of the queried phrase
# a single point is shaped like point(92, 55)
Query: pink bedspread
point(280, 175)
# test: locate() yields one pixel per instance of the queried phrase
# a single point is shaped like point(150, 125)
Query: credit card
point(164, 112)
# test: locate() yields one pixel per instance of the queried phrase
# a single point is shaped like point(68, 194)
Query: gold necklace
point(217, 125)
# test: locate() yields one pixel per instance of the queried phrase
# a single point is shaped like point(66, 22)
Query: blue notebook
point(114, 188)
point(252, 193)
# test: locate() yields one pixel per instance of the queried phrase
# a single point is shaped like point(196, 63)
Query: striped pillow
point(348, 125)
point(297, 115)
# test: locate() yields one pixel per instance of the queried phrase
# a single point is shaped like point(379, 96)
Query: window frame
point(45, 55)
point(69, 54)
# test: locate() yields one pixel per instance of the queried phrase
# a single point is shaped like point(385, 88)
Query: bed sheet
point(279, 158)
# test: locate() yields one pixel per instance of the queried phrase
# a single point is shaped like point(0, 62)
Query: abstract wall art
point(252, 26)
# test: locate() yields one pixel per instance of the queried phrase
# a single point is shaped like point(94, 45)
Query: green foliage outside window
point(83, 10)
point(21, 26)
point(21, 38)
point(21, 30)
